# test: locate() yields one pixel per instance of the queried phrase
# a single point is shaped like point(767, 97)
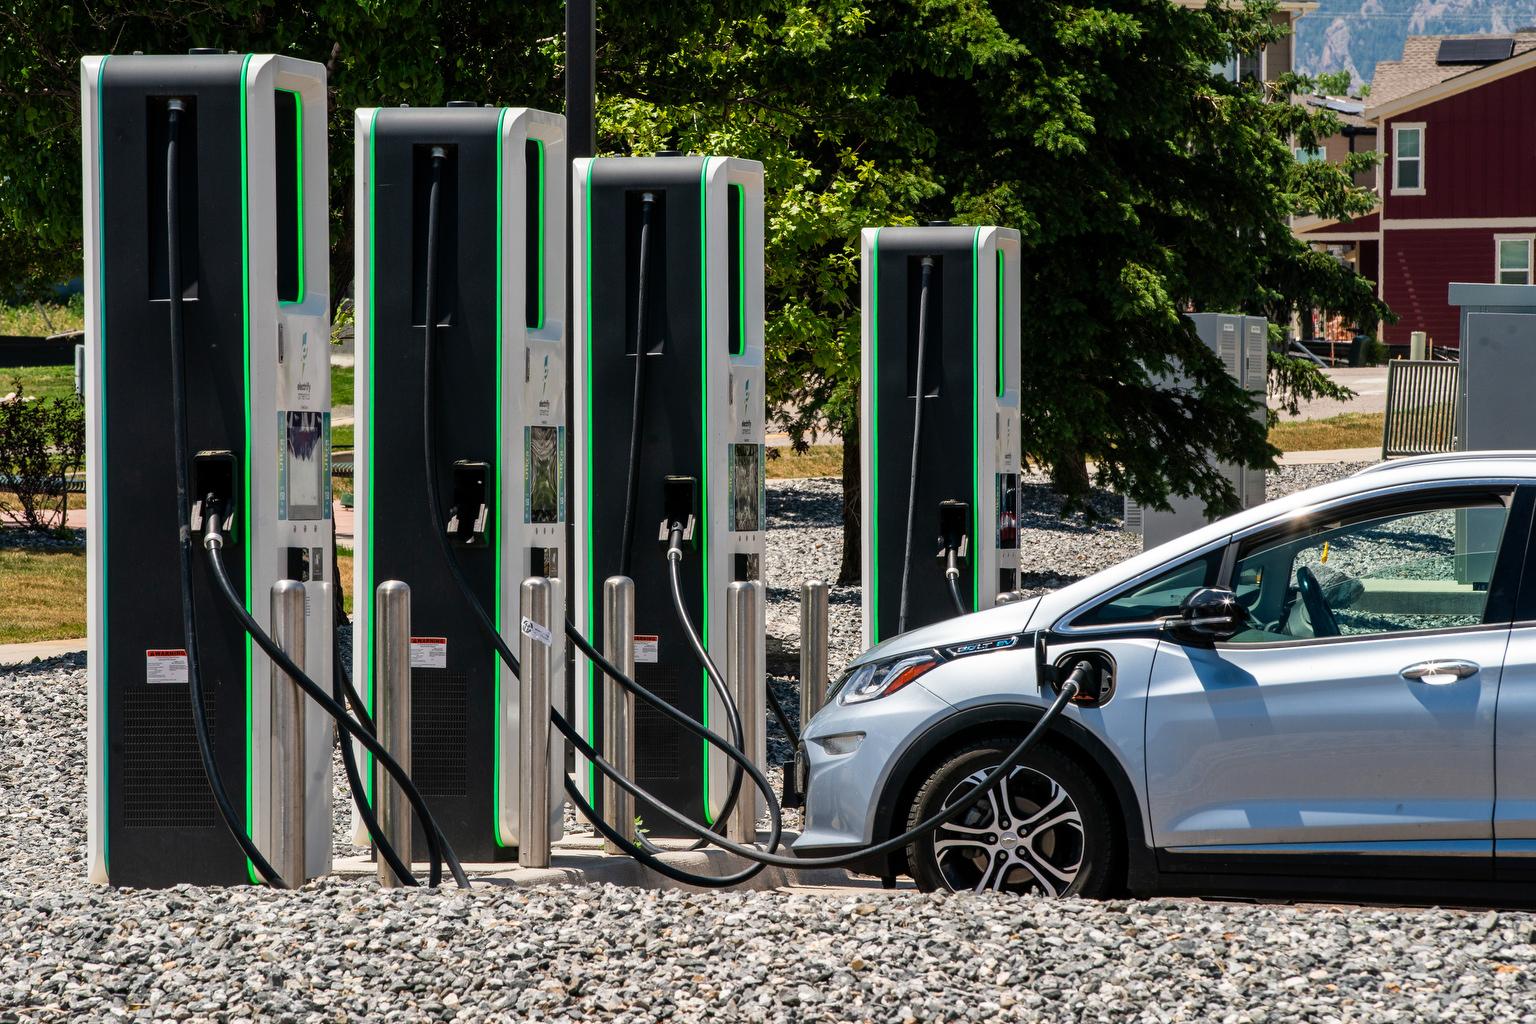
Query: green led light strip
point(704, 452)
point(536, 180)
point(373, 291)
point(591, 602)
point(298, 144)
point(101, 447)
point(245, 463)
point(976, 485)
point(874, 432)
point(501, 503)
point(740, 194)
point(1002, 362)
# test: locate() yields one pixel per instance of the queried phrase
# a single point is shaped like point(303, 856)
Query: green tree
point(1143, 184)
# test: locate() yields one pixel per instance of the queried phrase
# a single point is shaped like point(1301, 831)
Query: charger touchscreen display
point(305, 469)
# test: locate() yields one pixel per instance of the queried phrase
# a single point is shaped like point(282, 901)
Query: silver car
point(1364, 724)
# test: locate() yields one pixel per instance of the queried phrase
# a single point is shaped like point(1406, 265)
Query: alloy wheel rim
point(1026, 835)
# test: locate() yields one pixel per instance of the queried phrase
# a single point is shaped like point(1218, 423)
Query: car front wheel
point(1045, 828)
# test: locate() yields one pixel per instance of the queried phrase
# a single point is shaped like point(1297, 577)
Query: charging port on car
point(1098, 686)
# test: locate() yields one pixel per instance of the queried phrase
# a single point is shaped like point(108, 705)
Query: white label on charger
point(647, 648)
point(537, 633)
point(167, 667)
point(429, 652)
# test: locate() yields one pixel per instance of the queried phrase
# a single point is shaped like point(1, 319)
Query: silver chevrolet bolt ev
point(1334, 734)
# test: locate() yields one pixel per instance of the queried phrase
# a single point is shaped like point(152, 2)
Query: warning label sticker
point(647, 648)
point(168, 667)
point(429, 652)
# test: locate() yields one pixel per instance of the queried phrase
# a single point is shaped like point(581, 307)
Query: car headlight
point(883, 678)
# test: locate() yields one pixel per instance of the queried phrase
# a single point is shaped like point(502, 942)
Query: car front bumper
point(849, 752)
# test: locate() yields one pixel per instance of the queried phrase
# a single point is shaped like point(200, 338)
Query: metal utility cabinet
point(1242, 343)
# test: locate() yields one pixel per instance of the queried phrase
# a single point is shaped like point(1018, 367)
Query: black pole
point(580, 141)
point(580, 78)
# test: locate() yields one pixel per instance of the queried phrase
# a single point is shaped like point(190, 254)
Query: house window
point(1241, 67)
point(1313, 155)
point(1514, 259)
point(1408, 159)
point(1250, 67)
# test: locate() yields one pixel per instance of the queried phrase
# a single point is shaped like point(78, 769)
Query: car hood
point(1004, 619)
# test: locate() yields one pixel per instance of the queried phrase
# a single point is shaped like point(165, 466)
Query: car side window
point(1424, 569)
point(1160, 596)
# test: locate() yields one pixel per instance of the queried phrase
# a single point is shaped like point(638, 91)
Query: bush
point(42, 445)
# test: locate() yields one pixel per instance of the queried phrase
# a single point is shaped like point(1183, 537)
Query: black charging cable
point(481, 617)
point(182, 453)
point(711, 671)
point(1065, 695)
point(637, 411)
point(343, 693)
point(952, 577)
point(917, 439)
point(437, 845)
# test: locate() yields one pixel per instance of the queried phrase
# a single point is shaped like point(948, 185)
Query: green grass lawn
point(1350, 430)
point(818, 460)
point(341, 385)
point(341, 437)
point(344, 572)
point(39, 381)
point(42, 595)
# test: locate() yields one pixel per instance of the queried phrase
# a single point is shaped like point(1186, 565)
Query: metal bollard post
point(1009, 597)
point(392, 715)
point(748, 686)
point(619, 704)
point(537, 654)
point(813, 649)
point(286, 778)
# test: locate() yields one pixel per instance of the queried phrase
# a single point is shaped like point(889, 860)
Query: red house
point(1456, 126)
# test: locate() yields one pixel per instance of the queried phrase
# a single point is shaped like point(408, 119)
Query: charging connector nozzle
point(679, 499)
point(213, 478)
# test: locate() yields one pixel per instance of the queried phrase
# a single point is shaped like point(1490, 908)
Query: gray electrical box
point(1498, 363)
point(1242, 343)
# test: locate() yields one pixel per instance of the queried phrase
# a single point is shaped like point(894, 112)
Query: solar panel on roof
point(1486, 50)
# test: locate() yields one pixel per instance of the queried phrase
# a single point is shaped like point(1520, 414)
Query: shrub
point(42, 445)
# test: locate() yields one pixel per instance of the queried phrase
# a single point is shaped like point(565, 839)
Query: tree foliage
point(1143, 184)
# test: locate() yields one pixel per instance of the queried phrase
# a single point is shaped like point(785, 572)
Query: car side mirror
point(1210, 614)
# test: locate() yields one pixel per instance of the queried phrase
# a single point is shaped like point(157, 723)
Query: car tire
point(1057, 836)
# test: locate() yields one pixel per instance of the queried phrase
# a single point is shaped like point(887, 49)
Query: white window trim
point(1530, 256)
point(1398, 128)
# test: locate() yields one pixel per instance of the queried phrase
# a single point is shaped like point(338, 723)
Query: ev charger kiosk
point(499, 415)
point(968, 453)
point(702, 418)
point(1242, 343)
point(256, 306)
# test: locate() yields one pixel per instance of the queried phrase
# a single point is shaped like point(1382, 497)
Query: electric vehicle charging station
point(669, 264)
point(497, 272)
point(946, 484)
point(1242, 343)
point(234, 148)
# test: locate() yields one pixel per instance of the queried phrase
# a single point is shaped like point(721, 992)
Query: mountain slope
point(1353, 35)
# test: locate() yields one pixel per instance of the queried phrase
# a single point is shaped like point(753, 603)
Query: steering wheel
point(1321, 616)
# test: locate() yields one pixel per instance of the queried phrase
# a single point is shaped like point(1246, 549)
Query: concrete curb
point(579, 860)
point(42, 650)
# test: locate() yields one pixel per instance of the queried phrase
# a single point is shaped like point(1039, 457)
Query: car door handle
point(1439, 673)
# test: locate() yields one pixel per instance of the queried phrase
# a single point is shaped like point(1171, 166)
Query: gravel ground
point(336, 949)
